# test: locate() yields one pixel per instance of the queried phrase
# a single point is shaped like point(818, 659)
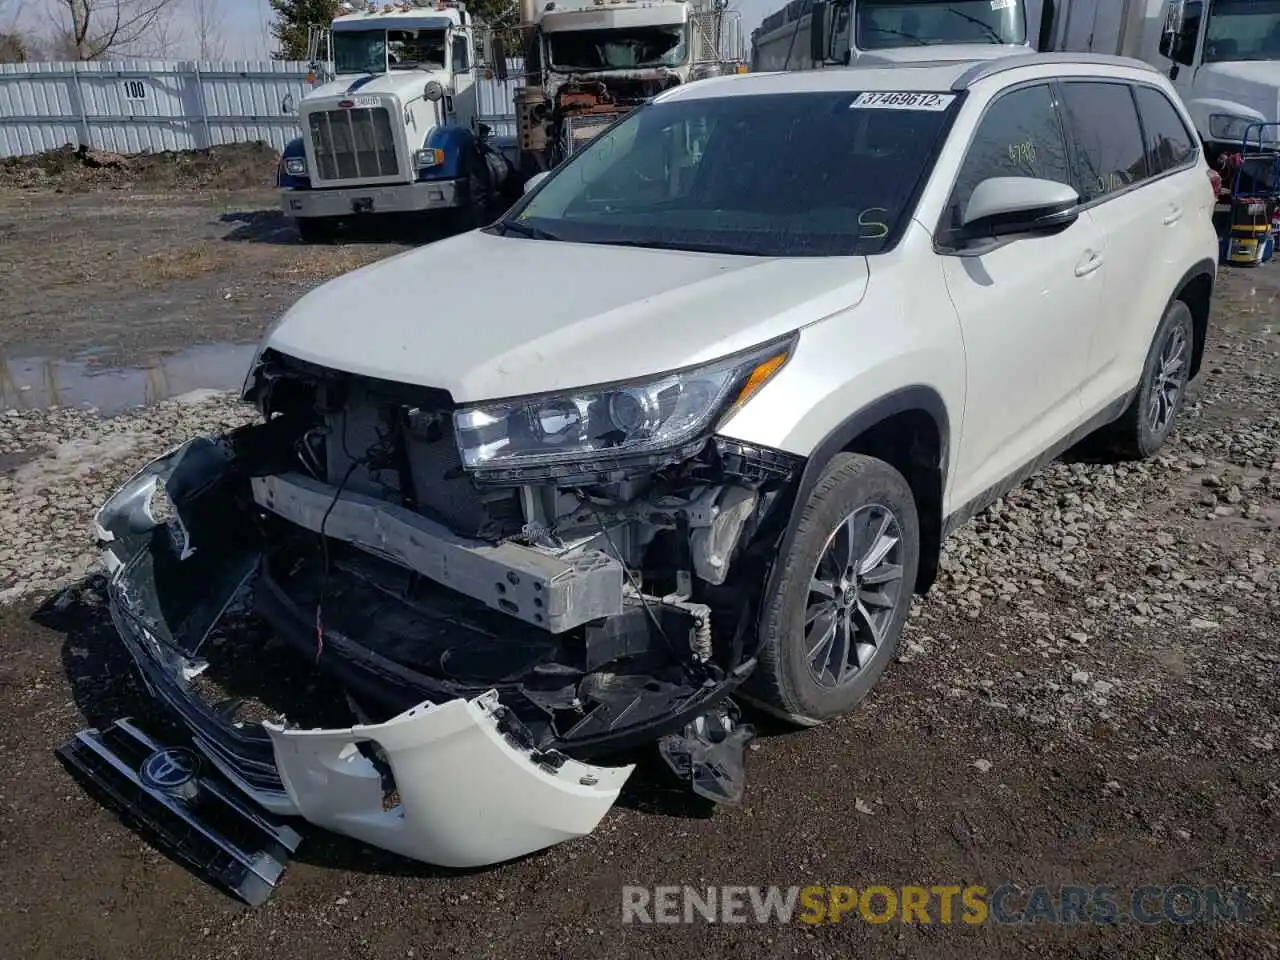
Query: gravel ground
point(1088, 696)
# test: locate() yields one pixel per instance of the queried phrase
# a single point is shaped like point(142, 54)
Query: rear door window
point(1102, 120)
point(1020, 135)
point(1169, 143)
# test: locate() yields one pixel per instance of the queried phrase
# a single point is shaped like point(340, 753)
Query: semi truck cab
point(812, 34)
point(396, 128)
point(1224, 60)
point(587, 62)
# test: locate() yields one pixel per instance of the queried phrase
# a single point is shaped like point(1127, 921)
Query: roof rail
point(1014, 61)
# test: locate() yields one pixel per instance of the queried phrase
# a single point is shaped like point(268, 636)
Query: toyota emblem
point(171, 771)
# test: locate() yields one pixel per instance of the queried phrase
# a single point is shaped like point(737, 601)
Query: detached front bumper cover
point(462, 792)
point(457, 783)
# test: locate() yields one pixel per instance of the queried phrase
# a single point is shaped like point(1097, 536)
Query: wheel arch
point(1195, 289)
point(911, 430)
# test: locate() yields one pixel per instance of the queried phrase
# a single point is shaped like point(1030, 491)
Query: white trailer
point(813, 34)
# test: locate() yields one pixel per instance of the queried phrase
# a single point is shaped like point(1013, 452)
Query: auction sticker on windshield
point(887, 100)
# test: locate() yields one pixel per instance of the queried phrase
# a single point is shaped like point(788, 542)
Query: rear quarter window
point(1101, 119)
point(1169, 143)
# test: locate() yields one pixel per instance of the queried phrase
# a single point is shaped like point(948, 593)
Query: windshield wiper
point(899, 33)
point(991, 31)
point(524, 230)
point(688, 246)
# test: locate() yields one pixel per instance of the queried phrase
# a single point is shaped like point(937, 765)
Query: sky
point(245, 28)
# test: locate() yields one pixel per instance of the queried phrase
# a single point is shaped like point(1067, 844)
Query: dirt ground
point(1089, 698)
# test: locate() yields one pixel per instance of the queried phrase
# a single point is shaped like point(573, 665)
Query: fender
point(458, 144)
point(841, 438)
point(293, 149)
point(1206, 271)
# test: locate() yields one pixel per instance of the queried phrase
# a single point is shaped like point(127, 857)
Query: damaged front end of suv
point(510, 592)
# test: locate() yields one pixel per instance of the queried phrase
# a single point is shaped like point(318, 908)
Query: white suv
point(692, 419)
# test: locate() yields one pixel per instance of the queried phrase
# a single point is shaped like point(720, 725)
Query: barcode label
point(882, 100)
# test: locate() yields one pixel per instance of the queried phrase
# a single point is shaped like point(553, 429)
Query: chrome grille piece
point(352, 144)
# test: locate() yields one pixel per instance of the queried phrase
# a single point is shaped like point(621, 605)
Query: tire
point(785, 681)
point(1149, 420)
point(479, 202)
point(317, 229)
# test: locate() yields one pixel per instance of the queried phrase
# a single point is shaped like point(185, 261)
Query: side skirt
point(1106, 415)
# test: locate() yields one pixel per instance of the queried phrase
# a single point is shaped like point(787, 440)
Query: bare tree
point(93, 29)
point(14, 47)
point(207, 19)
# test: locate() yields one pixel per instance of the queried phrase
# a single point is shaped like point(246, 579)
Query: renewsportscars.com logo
point(1008, 904)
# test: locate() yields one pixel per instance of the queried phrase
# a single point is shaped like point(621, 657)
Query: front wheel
point(834, 621)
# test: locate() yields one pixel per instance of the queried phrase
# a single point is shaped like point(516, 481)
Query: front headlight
point(295, 166)
point(605, 424)
point(1229, 126)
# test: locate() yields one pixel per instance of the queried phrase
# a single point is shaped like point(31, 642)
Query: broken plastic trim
point(465, 793)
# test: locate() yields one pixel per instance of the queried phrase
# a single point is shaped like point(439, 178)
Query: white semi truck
point(1223, 55)
point(395, 127)
point(812, 34)
point(587, 62)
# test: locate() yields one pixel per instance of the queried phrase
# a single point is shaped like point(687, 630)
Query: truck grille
point(353, 144)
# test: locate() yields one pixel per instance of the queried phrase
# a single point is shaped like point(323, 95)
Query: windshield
point(894, 23)
point(662, 46)
point(795, 174)
point(1243, 30)
point(374, 51)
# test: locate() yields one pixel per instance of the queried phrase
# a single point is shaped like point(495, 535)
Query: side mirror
point(818, 32)
point(1011, 206)
point(498, 58)
point(482, 131)
point(1181, 31)
point(433, 91)
point(1184, 51)
point(536, 179)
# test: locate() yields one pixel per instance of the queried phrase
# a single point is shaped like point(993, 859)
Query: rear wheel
point(842, 598)
point(1149, 420)
point(317, 229)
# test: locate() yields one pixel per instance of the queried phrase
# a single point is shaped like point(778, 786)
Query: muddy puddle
point(87, 382)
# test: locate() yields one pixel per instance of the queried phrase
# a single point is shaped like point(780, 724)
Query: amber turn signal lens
point(761, 375)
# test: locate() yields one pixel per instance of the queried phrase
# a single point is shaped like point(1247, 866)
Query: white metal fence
point(136, 105)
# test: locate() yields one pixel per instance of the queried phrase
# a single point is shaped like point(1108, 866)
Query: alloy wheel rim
point(853, 593)
point(1167, 380)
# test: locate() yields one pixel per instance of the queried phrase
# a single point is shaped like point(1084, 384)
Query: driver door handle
point(1090, 262)
point(1173, 215)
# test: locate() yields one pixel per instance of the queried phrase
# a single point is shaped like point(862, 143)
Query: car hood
point(484, 316)
point(1251, 83)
